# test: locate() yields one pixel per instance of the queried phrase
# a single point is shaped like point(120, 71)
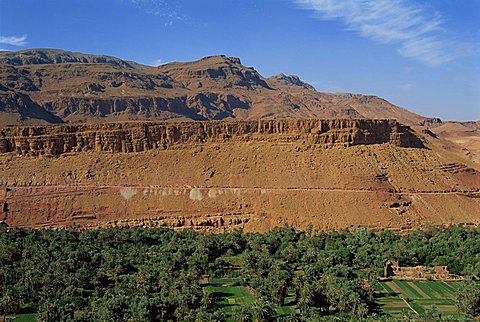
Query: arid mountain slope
point(283, 153)
point(42, 86)
point(221, 175)
point(460, 137)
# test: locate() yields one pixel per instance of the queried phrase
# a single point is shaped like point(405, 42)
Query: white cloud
point(156, 62)
point(161, 8)
point(13, 40)
point(418, 33)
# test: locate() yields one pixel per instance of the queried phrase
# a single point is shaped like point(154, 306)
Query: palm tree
point(242, 313)
point(263, 310)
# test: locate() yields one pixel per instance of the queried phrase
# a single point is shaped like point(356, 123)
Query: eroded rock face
point(144, 136)
point(215, 176)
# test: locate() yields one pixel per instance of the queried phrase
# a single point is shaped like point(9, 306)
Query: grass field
point(394, 297)
point(229, 293)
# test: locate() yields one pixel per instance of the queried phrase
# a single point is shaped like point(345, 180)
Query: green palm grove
point(146, 274)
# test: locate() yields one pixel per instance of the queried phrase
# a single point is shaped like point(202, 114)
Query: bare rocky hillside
point(46, 86)
point(212, 145)
point(221, 175)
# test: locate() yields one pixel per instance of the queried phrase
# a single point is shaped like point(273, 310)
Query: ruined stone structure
point(394, 271)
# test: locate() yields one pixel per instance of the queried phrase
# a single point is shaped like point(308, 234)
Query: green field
point(395, 297)
point(229, 293)
point(31, 317)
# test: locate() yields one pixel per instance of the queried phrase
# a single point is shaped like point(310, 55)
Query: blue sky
point(421, 55)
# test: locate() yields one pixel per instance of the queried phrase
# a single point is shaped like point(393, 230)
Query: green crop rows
point(394, 297)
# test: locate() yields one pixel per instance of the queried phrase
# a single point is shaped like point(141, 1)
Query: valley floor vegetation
point(147, 274)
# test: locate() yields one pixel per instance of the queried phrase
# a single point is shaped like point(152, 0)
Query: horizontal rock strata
point(143, 136)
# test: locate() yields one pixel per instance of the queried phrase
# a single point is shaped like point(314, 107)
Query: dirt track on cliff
point(412, 192)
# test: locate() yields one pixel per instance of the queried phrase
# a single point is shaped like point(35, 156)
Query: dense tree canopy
point(137, 274)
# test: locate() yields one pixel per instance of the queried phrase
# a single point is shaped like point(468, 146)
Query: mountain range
point(94, 141)
point(49, 86)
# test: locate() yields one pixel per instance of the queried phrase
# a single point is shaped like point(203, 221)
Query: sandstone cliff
point(143, 136)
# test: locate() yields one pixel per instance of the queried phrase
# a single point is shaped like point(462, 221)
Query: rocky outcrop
point(143, 136)
point(431, 122)
point(291, 80)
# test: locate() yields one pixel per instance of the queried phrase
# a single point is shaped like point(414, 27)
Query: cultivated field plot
point(229, 293)
point(396, 297)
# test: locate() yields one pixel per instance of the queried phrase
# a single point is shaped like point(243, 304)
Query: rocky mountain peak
point(217, 71)
point(220, 59)
point(291, 80)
